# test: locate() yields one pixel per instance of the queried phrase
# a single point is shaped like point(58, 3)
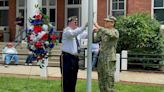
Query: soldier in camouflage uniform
point(108, 38)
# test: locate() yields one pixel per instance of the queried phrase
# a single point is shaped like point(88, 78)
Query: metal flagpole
point(89, 58)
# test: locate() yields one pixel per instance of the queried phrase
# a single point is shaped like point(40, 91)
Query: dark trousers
point(29, 58)
point(69, 69)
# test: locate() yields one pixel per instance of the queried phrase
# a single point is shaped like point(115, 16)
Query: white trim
point(56, 12)
point(84, 10)
point(25, 14)
point(73, 6)
point(158, 7)
point(4, 8)
point(107, 9)
point(110, 7)
point(152, 9)
point(95, 11)
point(125, 7)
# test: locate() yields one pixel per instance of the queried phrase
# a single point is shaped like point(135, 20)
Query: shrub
point(139, 33)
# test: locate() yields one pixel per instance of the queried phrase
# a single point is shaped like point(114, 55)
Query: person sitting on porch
point(10, 54)
point(29, 59)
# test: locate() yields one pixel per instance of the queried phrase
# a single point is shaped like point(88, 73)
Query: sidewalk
point(54, 72)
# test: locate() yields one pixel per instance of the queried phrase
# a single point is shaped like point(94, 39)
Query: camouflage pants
point(106, 70)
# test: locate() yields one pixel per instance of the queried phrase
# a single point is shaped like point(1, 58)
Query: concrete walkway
point(54, 72)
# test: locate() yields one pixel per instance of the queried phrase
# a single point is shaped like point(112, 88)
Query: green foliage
point(161, 63)
point(139, 33)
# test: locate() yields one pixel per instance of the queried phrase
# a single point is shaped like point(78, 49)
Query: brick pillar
point(60, 17)
point(101, 11)
point(60, 14)
point(11, 18)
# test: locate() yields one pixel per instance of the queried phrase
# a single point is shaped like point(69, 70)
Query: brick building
point(60, 10)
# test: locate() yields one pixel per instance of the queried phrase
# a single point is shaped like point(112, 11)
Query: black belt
point(68, 54)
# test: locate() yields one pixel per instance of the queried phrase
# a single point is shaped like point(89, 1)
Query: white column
point(124, 61)
point(84, 14)
point(95, 10)
point(44, 70)
point(117, 73)
point(31, 9)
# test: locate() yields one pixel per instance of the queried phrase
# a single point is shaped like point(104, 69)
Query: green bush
point(139, 33)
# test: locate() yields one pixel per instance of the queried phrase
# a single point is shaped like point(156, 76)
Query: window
point(73, 12)
point(4, 12)
point(117, 7)
point(3, 17)
point(4, 3)
point(74, 1)
point(21, 8)
point(73, 8)
point(159, 10)
point(49, 8)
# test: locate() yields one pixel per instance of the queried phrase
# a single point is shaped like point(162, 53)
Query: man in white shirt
point(11, 53)
point(70, 51)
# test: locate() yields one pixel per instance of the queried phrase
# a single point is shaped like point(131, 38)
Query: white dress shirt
point(11, 50)
point(68, 39)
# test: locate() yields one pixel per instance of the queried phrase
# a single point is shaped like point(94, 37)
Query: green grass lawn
point(13, 84)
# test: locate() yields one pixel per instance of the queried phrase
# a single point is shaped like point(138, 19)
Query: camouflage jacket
point(108, 43)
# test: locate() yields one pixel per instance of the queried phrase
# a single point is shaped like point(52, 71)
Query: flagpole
point(89, 58)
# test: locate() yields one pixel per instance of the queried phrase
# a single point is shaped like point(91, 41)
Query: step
point(54, 60)
point(2, 44)
point(23, 57)
point(22, 62)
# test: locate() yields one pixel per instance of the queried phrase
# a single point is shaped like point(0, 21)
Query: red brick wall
point(138, 6)
point(101, 11)
point(132, 6)
point(60, 14)
point(11, 19)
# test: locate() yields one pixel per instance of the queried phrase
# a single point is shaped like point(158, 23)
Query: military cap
point(72, 18)
point(110, 18)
